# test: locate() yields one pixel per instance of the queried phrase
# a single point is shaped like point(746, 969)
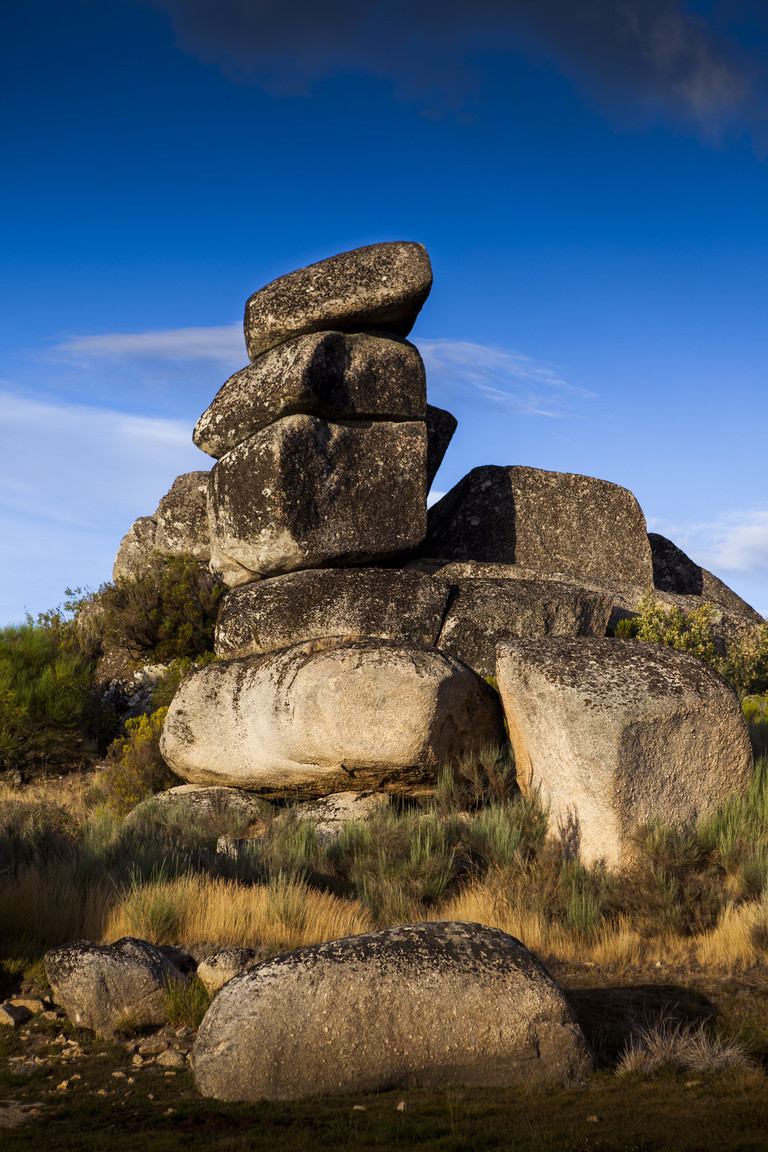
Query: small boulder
point(352, 602)
point(432, 1004)
point(331, 813)
point(552, 522)
point(441, 426)
point(485, 612)
point(380, 287)
point(98, 985)
point(614, 733)
point(335, 375)
point(324, 717)
point(215, 970)
point(305, 493)
point(217, 806)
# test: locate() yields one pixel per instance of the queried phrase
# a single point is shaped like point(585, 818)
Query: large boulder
point(434, 1004)
point(305, 493)
point(336, 375)
point(484, 612)
point(318, 718)
point(380, 287)
point(552, 522)
point(287, 610)
point(615, 733)
point(676, 573)
point(100, 985)
point(441, 426)
point(135, 547)
point(182, 517)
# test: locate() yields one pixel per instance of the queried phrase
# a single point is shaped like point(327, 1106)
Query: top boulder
point(377, 288)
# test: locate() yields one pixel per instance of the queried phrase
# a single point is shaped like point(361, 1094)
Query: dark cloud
point(660, 56)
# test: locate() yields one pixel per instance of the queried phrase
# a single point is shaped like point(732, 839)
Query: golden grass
point(196, 909)
point(66, 792)
point(44, 908)
point(739, 939)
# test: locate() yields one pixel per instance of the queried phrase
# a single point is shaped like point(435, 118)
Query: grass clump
point(683, 1046)
point(186, 1002)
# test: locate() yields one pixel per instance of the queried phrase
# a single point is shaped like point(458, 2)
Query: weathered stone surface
point(135, 547)
point(98, 984)
point(441, 426)
point(352, 602)
point(331, 813)
point(380, 287)
point(336, 375)
point(216, 805)
point(304, 493)
point(13, 1015)
point(215, 970)
point(319, 718)
point(675, 572)
point(422, 1004)
point(224, 569)
point(182, 517)
point(613, 733)
point(552, 522)
point(484, 612)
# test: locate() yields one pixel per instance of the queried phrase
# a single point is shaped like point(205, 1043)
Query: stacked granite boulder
point(358, 628)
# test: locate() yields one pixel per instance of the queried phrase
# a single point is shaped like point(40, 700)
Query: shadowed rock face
point(97, 984)
point(380, 287)
point(441, 426)
point(336, 375)
point(552, 522)
point(304, 492)
point(422, 1004)
point(327, 717)
point(676, 573)
point(287, 610)
point(614, 733)
point(484, 612)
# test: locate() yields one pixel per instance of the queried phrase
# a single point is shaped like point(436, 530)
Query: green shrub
point(135, 769)
point(45, 696)
point(166, 611)
point(746, 664)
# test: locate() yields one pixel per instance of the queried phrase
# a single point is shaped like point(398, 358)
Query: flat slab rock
point(434, 1004)
point(554, 522)
point(379, 287)
point(335, 375)
point(305, 493)
point(97, 985)
point(352, 602)
point(614, 733)
point(324, 717)
point(484, 612)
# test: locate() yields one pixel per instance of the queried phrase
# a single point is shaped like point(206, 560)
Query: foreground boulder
point(614, 733)
point(434, 1004)
point(336, 375)
point(484, 612)
point(352, 602)
point(304, 493)
point(552, 522)
point(379, 287)
point(100, 985)
point(327, 717)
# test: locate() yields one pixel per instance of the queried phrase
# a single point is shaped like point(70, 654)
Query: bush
point(45, 699)
point(135, 769)
point(166, 611)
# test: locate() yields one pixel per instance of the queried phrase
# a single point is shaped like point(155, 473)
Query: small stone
point(137, 1060)
point(13, 1016)
point(118, 1075)
point(150, 1095)
point(359, 1108)
point(62, 1087)
point(593, 1119)
point(401, 1106)
point(152, 1047)
point(102, 1092)
point(171, 1058)
point(32, 1004)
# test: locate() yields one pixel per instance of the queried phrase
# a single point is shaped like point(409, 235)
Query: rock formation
point(435, 1004)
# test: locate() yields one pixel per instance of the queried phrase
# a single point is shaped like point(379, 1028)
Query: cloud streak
point(735, 542)
point(502, 377)
point(221, 343)
point(660, 55)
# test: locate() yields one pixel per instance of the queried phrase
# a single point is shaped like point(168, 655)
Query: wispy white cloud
point(224, 342)
point(502, 376)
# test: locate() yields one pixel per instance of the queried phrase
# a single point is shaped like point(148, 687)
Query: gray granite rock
point(325, 717)
point(306, 493)
point(135, 547)
point(484, 612)
point(553, 522)
point(351, 602)
point(614, 733)
point(381, 287)
point(182, 517)
point(675, 572)
point(432, 1004)
point(336, 375)
point(441, 426)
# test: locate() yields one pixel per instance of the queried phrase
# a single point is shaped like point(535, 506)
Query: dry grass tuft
point(687, 1047)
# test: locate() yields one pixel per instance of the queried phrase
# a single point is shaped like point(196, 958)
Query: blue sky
point(590, 181)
